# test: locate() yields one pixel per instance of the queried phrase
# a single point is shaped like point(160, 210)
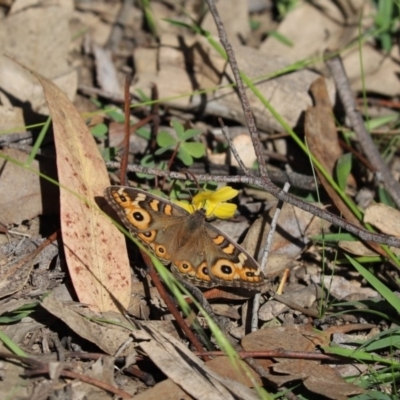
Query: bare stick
point(382, 172)
point(127, 111)
point(264, 259)
point(241, 89)
point(225, 131)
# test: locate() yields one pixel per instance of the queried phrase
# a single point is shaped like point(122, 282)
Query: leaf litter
point(89, 286)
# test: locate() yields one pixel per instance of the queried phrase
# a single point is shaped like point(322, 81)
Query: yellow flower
point(214, 203)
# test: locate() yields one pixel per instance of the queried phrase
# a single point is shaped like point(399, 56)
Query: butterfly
point(197, 251)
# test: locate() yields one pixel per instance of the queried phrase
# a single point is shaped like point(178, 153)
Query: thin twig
point(382, 172)
point(127, 109)
point(241, 90)
point(279, 177)
point(232, 147)
point(264, 259)
point(271, 232)
point(118, 28)
point(90, 90)
point(155, 112)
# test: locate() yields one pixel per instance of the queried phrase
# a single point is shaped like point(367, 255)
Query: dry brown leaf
point(27, 194)
point(223, 366)
point(106, 72)
point(185, 369)
point(291, 236)
point(287, 94)
point(356, 248)
point(165, 390)
point(320, 379)
point(383, 217)
point(293, 338)
point(234, 16)
point(244, 146)
point(380, 72)
point(299, 338)
point(10, 118)
point(43, 36)
point(328, 29)
point(11, 383)
point(323, 142)
point(15, 273)
point(334, 25)
point(343, 288)
point(108, 337)
point(94, 248)
point(294, 225)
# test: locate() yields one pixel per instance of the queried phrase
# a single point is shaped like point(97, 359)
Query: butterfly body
point(196, 250)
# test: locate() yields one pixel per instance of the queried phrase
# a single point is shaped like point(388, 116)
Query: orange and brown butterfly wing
point(230, 264)
point(197, 251)
point(147, 217)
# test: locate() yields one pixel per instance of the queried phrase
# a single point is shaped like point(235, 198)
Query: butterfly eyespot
point(123, 198)
point(138, 216)
point(160, 250)
point(250, 275)
point(184, 267)
point(202, 274)
point(147, 237)
point(226, 269)
point(204, 270)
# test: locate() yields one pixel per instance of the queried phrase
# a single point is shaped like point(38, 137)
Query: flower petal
point(185, 205)
point(224, 194)
point(222, 210)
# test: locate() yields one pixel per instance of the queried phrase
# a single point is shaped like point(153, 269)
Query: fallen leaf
point(95, 250)
point(323, 142)
point(25, 191)
point(43, 36)
point(186, 370)
point(166, 390)
point(108, 337)
point(383, 217)
point(331, 27)
point(316, 377)
point(287, 93)
point(320, 379)
point(223, 366)
point(244, 146)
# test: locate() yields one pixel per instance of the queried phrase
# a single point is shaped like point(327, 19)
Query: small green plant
point(343, 168)
point(99, 131)
point(182, 148)
point(284, 7)
point(149, 17)
point(149, 162)
point(386, 22)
